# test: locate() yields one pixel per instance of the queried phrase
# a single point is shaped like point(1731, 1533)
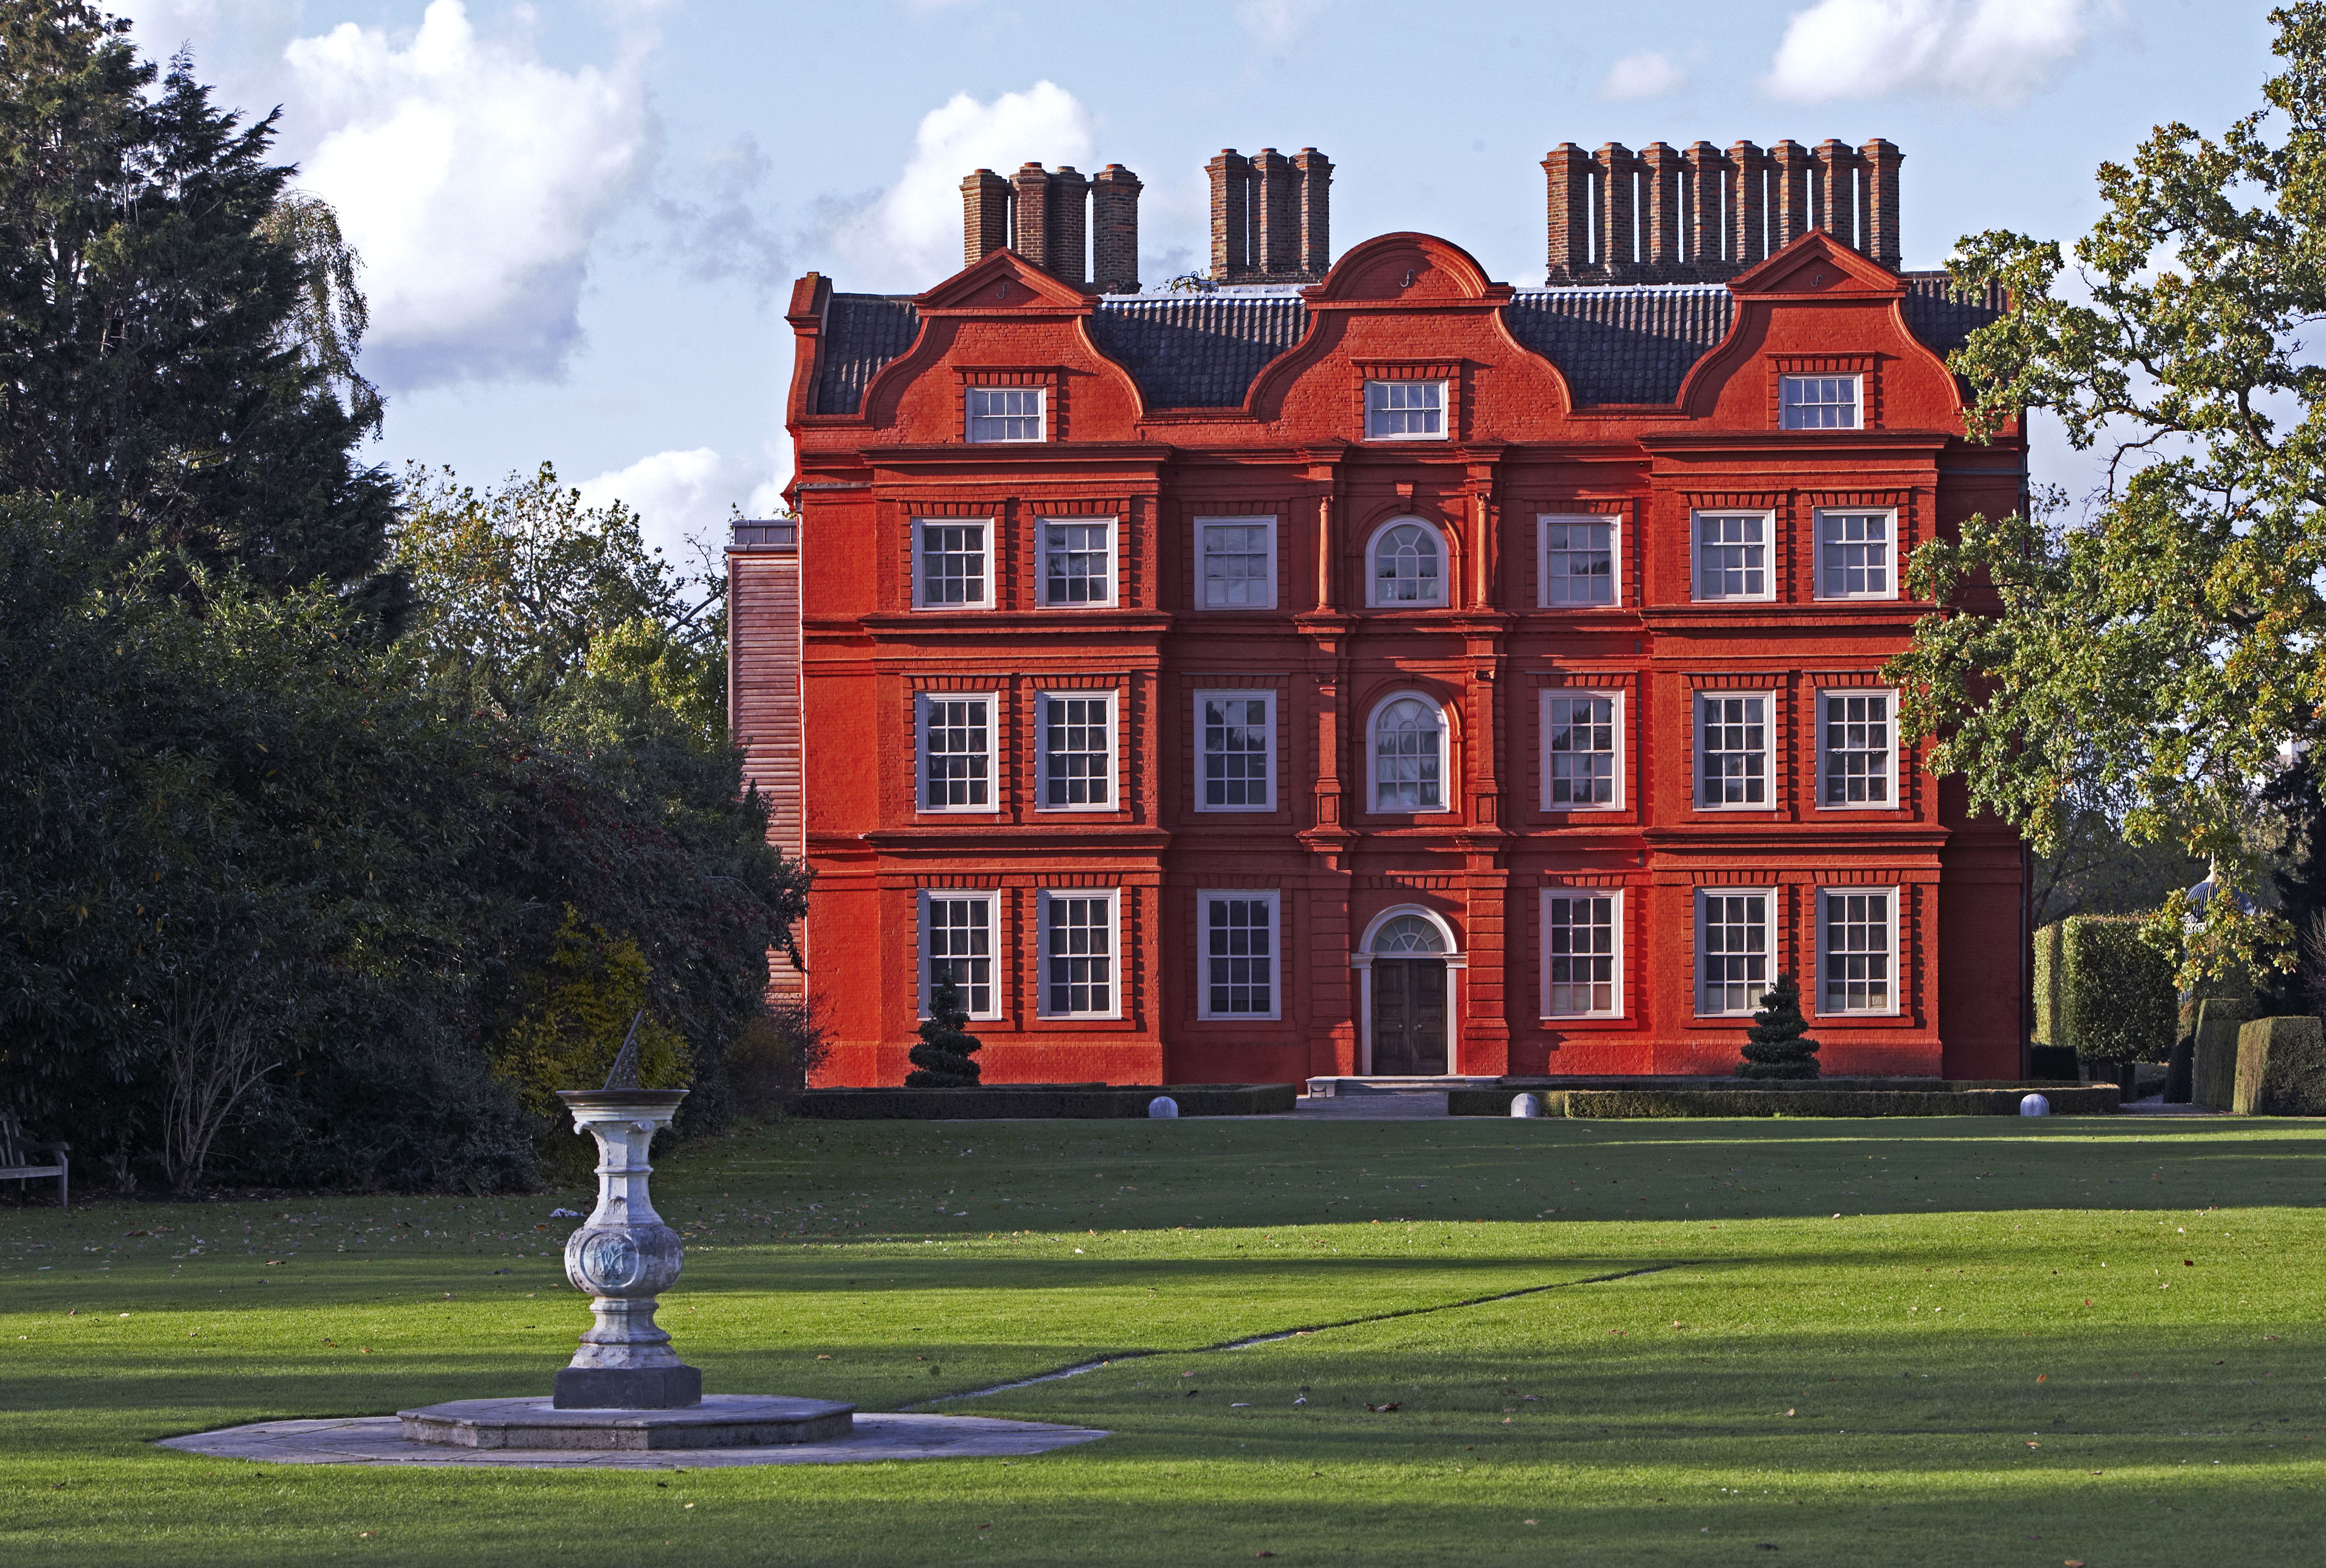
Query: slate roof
point(1623, 345)
point(1614, 344)
point(861, 332)
point(1199, 350)
point(1939, 320)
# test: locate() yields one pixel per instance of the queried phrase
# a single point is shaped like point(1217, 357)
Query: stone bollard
point(2034, 1105)
point(1163, 1108)
point(1526, 1105)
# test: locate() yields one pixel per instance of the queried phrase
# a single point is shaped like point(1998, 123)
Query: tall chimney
point(1882, 160)
point(1067, 201)
point(1030, 215)
point(984, 216)
point(1663, 161)
point(1275, 215)
point(1838, 191)
point(1231, 175)
point(1315, 211)
point(1792, 203)
point(1568, 172)
point(1114, 230)
point(1748, 215)
point(1707, 173)
point(1618, 165)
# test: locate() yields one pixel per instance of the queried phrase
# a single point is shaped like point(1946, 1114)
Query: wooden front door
point(1408, 1016)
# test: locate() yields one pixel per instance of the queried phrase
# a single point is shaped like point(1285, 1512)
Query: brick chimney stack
point(1881, 220)
point(1749, 213)
point(1029, 214)
point(1068, 226)
point(1271, 216)
point(1836, 180)
point(1315, 211)
point(1114, 230)
point(1793, 166)
point(1707, 178)
point(984, 216)
point(1662, 163)
point(1568, 172)
point(1618, 169)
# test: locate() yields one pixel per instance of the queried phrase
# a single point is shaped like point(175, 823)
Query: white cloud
point(472, 177)
point(1644, 75)
point(909, 235)
point(1993, 52)
point(1278, 22)
point(683, 495)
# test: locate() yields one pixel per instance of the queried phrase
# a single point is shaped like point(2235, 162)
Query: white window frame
point(1445, 411)
point(1768, 952)
point(993, 753)
point(1202, 554)
point(1275, 902)
point(920, 592)
point(1042, 561)
point(1543, 578)
point(1446, 781)
point(1616, 917)
point(1897, 942)
point(1615, 697)
point(1042, 700)
point(1890, 755)
point(1696, 521)
point(1444, 567)
point(1856, 402)
point(993, 901)
point(1202, 755)
point(1112, 898)
point(970, 416)
point(1825, 589)
point(1769, 773)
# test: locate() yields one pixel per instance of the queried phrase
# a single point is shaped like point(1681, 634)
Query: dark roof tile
point(1199, 350)
point(861, 332)
point(1623, 345)
point(1938, 318)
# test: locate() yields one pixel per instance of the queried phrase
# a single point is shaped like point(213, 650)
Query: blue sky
point(580, 218)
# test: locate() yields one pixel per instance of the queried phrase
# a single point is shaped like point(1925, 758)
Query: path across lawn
point(1946, 1341)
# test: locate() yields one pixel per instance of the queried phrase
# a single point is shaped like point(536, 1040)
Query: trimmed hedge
point(2116, 998)
point(2050, 971)
point(1605, 1104)
point(2281, 1067)
point(1042, 1102)
point(2213, 1064)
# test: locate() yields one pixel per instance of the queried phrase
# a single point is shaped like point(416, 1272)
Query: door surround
point(1362, 961)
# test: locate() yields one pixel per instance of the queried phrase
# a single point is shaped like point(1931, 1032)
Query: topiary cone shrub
point(942, 1058)
point(1778, 1044)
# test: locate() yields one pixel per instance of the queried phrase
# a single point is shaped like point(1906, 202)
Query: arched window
point(1409, 566)
point(1409, 755)
point(1408, 933)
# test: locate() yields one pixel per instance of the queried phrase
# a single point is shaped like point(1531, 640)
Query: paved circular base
point(378, 1439)
point(720, 1421)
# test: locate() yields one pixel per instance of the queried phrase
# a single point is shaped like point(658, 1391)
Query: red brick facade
point(1087, 847)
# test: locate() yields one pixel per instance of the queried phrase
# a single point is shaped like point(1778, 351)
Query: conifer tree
point(942, 1058)
point(1778, 1044)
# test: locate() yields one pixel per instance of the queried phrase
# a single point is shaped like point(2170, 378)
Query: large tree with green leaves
point(2154, 654)
point(176, 337)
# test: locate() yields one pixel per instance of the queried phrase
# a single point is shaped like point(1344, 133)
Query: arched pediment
point(1407, 269)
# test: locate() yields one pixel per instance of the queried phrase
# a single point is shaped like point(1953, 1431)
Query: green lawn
point(1947, 1341)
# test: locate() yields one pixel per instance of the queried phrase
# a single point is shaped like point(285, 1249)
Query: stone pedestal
point(624, 1257)
point(720, 1421)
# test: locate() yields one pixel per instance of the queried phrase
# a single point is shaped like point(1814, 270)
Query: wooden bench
point(16, 1164)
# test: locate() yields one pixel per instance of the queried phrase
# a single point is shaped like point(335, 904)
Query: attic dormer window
point(1405, 411)
point(1819, 402)
point(1006, 414)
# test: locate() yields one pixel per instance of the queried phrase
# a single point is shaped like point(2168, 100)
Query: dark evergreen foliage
point(151, 360)
point(1778, 1044)
point(942, 1059)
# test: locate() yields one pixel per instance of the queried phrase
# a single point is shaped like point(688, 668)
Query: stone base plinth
point(720, 1421)
point(629, 1389)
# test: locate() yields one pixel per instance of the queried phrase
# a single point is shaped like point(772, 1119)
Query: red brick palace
point(1366, 667)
